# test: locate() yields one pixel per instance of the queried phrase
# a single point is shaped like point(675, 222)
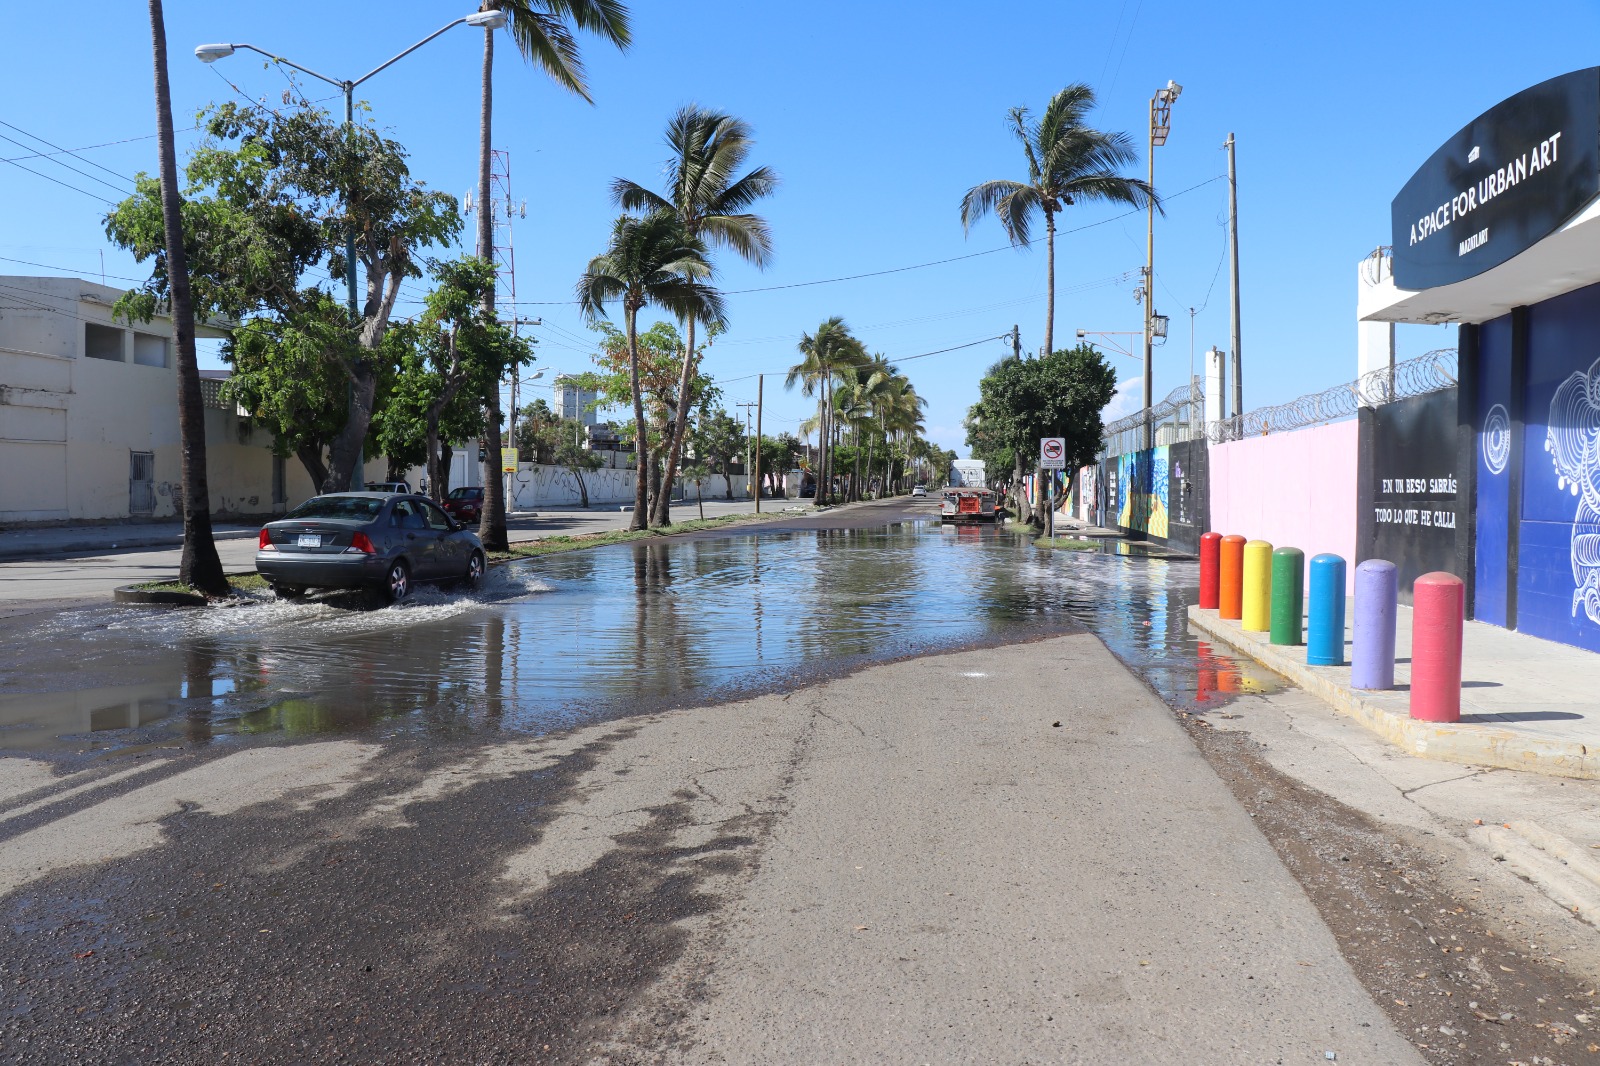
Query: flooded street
point(589, 635)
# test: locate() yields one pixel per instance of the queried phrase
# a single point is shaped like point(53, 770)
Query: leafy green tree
point(455, 352)
point(1069, 162)
point(719, 438)
point(708, 149)
point(543, 32)
point(1020, 401)
point(272, 195)
point(649, 260)
point(696, 474)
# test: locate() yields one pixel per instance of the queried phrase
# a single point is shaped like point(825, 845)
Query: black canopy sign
point(1508, 179)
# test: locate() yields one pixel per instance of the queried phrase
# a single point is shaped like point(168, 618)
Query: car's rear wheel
point(289, 592)
point(396, 582)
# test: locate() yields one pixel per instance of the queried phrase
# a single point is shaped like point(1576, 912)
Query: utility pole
point(761, 380)
point(1016, 343)
point(747, 407)
point(1233, 253)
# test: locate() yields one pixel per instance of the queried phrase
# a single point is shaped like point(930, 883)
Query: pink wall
point(1296, 490)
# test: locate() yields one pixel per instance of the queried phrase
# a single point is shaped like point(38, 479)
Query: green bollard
point(1288, 595)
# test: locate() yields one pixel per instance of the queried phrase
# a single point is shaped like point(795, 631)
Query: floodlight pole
point(1160, 124)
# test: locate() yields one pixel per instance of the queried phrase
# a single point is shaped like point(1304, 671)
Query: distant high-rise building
point(574, 402)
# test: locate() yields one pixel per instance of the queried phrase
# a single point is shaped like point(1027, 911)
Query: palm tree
point(649, 260)
point(199, 566)
point(543, 32)
point(708, 149)
point(1068, 162)
point(829, 354)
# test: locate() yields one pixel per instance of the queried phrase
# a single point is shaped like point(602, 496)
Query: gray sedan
point(384, 542)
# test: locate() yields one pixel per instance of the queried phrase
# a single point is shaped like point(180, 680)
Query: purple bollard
point(1377, 596)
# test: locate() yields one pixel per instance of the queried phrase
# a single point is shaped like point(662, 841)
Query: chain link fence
point(1179, 417)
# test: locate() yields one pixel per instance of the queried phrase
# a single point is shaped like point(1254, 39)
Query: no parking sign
point(1053, 453)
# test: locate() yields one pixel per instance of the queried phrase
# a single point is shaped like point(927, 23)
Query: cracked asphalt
point(894, 865)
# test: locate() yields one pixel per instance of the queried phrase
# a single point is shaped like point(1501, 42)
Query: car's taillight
point(264, 542)
point(360, 542)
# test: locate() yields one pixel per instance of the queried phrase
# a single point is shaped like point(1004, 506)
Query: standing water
point(570, 638)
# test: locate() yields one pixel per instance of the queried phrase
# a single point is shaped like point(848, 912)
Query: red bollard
point(1210, 558)
point(1438, 606)
point(1230, 578)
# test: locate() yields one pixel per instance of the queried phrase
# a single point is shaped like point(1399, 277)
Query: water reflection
point(650, 624)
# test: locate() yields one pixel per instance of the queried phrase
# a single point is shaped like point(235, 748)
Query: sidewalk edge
point(1466, 744)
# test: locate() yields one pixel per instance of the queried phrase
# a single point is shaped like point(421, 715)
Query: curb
point(1471, 745)
point(134, 594)
point(1548, 861)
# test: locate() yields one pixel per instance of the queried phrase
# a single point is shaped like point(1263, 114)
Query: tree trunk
point(583, 489)
point(700, 498)
point(663, 514)
point(310, 457)
point(641, 445)
point(492, 525)
point(1050, 280)
point(445, 454)
point(1024, 508)
point(434, 477)
point(199, 566)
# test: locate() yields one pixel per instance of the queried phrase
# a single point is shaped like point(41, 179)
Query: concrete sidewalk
point(39, 542)
point(1526, 704)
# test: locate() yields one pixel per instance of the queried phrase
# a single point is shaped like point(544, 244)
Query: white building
point(89, 416)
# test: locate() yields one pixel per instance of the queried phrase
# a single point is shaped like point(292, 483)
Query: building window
point(102, 342)
point(149, 350)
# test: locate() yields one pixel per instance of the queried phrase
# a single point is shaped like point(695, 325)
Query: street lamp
point(210, 53)
point(1160, 125)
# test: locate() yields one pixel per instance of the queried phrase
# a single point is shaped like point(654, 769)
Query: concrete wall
point(535, 486)
point(1294, 489)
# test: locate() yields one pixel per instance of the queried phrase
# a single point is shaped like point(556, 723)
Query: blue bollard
point(1325, 624)
point(1377, 597)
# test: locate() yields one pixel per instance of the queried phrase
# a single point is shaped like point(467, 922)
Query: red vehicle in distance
point(465, 505)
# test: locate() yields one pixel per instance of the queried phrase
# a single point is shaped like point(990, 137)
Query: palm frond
point(631, 196)
point(987, 198)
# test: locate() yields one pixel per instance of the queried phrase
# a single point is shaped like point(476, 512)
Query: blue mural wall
point(1493, 421)
point(1558, 561)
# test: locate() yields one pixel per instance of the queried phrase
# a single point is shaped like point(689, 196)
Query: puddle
point(568, 638)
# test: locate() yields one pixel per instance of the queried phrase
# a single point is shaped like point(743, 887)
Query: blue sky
point(878, 117)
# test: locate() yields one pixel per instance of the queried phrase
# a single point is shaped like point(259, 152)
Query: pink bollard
point(1438, 607)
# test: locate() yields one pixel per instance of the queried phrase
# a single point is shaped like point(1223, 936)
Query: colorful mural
point(1142, 487)
point(1572, 438)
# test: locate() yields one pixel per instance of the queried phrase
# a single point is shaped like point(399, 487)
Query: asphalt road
point(899, 865)
point(50, 579)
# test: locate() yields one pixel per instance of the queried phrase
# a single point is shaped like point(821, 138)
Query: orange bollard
point(1230, 578)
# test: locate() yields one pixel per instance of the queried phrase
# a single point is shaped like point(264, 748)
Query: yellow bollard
point(1257, 613)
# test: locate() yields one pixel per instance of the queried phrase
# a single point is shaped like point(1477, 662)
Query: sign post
point(1052, 457)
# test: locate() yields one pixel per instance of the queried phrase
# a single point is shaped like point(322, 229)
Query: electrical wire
point(63, 151)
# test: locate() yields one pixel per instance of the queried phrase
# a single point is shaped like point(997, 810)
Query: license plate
point(310, 540)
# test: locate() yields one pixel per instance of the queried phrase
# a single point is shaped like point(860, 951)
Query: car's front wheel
point(475, 567)
point(396, 582)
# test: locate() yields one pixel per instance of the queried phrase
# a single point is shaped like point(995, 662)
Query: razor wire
point(1181, 416)
point(1426, 373)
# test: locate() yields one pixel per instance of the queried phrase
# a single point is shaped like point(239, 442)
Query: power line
point(86, 274)
point(64, 185)
point(64, 151)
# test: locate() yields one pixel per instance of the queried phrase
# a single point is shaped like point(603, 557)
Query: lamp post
point(210, 53)
point(1160, 124)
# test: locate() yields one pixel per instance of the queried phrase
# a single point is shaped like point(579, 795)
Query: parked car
point(919, 490)
point(388, 486)
point(383, 542)
point(465, 504)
